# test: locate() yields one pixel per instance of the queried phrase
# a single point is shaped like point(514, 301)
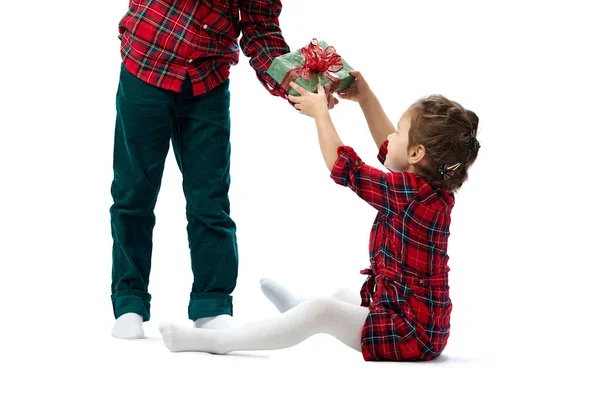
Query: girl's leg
point(347, 296)
point(341, 320)
point(284, 299)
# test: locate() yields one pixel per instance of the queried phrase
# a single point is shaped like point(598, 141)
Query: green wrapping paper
point(315, 61)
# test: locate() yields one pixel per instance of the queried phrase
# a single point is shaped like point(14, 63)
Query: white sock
point(281, 297)
point(342, 320)
point(129, 326)
point(222, 321)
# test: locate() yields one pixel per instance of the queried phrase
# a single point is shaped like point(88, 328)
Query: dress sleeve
point(386, 192)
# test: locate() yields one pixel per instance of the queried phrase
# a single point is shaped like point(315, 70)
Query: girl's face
point(398, 158)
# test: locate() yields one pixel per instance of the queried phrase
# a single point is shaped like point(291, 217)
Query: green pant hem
point(209, 305)
point(131, 301)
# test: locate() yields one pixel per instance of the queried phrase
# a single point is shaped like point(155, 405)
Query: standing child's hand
point(308, 103)
point(358, 90)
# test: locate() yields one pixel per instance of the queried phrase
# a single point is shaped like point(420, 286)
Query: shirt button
point(420, 281)
point(205, 27)
point(356, 163)
point(190, 60)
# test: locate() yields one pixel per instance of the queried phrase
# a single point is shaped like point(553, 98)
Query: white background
point(523, 249)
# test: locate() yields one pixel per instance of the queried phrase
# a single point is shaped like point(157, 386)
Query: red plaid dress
point(407, 285)
point(164, 40)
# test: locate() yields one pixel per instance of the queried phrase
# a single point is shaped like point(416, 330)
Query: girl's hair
point(448, 132)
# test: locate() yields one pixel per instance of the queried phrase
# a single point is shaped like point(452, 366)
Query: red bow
point(316, 60)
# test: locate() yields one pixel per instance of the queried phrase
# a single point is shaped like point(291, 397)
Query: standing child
point(174, 87)
point(404, 307)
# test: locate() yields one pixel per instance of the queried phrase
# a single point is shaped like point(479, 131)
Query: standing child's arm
point(379, 124)
point(262, 40)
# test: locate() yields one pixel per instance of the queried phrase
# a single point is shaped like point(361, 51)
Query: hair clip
point(472, 144)
point(448, 171)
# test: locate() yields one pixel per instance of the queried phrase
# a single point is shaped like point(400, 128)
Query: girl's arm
point(385, 192)
point(379, 123)
point(329, 140)
point(315, 106)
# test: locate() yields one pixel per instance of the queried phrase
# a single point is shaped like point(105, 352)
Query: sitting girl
point(404, 308)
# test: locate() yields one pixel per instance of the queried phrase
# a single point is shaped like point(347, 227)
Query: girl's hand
point(359, 89)
point(308, 103)
point(331, 100)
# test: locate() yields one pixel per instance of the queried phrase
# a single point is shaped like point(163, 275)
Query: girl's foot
point(183, 339)
point(281, 297)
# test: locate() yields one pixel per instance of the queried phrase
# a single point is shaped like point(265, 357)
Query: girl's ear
point(416, 154)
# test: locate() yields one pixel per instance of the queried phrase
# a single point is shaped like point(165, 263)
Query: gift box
point(316, 63)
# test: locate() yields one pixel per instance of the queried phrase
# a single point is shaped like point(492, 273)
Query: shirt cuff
point(346, 165)
point(383, 150)
point(273, 87)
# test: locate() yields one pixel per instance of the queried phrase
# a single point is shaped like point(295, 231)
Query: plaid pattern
point(407, 285)
point(164, 40)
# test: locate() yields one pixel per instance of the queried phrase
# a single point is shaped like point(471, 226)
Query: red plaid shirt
point(407, 285)
point(163, 40)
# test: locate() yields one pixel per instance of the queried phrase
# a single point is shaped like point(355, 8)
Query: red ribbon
point(316, 61)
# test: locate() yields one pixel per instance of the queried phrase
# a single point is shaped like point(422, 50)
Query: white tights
point(339, 316)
